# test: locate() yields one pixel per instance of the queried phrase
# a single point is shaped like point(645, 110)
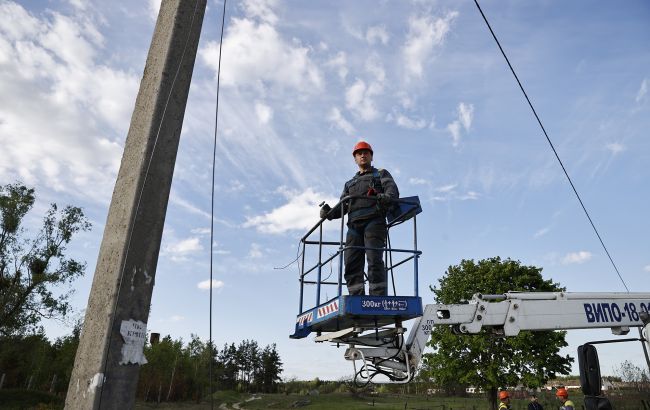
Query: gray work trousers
point(368, 233)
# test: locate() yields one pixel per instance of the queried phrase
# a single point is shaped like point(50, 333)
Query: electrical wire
point(645, 351)
point(539, 121)
point(214, 160)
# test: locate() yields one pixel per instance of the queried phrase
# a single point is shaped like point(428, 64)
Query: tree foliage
point(177, 372)
point(484, 360)
point(633, 374)
point(30, 268)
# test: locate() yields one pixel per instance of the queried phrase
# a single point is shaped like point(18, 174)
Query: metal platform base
point(357, 311)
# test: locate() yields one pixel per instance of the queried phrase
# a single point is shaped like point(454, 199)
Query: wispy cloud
point(180, 250)
point(255, 251)
point(615, 147)
point(153, 7)
point(299, 213)
point(409, 123)
point(449, 192)
point(643, 90)
point(465, 114)
point(377, 34)
point(646, 268)
point(425, 33)
point(205, 285)
point(541, 233)
point(65, 135)
point(340, 122)
point(264, 112)
point(360, 99)
point(259, 57)
point(418, 181)
point(339, 64)
point(576, 257)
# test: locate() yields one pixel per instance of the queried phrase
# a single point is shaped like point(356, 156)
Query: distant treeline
point(175, 370)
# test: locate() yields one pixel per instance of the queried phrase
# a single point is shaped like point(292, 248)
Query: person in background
point(563, 395)
point(534, 404)
point(504, 399)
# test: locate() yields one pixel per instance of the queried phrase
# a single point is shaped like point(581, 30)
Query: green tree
point(484, 360)
point(268, 375)
point(31, 268)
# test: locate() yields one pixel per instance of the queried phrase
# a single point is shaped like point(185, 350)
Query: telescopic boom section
point(384, 352)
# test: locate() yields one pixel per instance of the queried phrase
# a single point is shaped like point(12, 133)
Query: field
point(28, 400)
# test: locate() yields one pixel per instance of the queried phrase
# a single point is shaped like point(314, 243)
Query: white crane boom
point(506, 314)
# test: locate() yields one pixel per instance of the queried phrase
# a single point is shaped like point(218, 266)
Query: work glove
point(383, 199)
point(324, 211)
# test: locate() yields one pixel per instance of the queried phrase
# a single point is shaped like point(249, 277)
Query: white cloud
point(469, 196)
point(179, 250)
point(449, 192)
point(643, 90)
point(541, 233)
point(79, 4)
point(340, 64)
point(454, 129)
point(576, 257)
point(299, 213)
point(261, 9)
point(465, 113)
point(615, 147)
point(646, 268)
point(176, 318)
point(376, 34)
point(359, 98)
point(264, 112)
point(418, 181)
point(409, 123)
point(259, 57)
point(255, 252)
point(153, 6)
point(446, 188)
point(200, 231)
point(66, 113)
point(425, 33)
point(340, 122)
point(205, 285)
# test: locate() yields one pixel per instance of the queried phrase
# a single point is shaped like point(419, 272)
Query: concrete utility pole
point(105, 374)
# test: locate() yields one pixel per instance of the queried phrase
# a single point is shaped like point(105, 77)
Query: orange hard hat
point(561, 392)
point(361, 145)
point(503, 395)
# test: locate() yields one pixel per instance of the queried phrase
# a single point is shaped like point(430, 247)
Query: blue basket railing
point(402, 210)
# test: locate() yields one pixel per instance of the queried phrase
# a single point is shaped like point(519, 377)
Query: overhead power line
point(214, 159)
point(539, 121)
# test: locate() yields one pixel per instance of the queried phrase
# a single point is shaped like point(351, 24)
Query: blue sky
point(422, 81)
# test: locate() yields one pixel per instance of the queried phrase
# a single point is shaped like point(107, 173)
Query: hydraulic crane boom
point(385, 352)
point(512, 312)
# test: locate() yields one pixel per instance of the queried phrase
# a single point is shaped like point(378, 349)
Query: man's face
point(363, 158)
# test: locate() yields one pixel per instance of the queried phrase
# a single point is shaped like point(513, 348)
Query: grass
point(18, 399)
point(13, 399)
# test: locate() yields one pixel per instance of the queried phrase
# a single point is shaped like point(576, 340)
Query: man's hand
point(383, 199)
point(324, 210)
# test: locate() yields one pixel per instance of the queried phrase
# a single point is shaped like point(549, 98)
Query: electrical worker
point(504, 399)
point(563, 395)
point(366, 221)
point(534, 404)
